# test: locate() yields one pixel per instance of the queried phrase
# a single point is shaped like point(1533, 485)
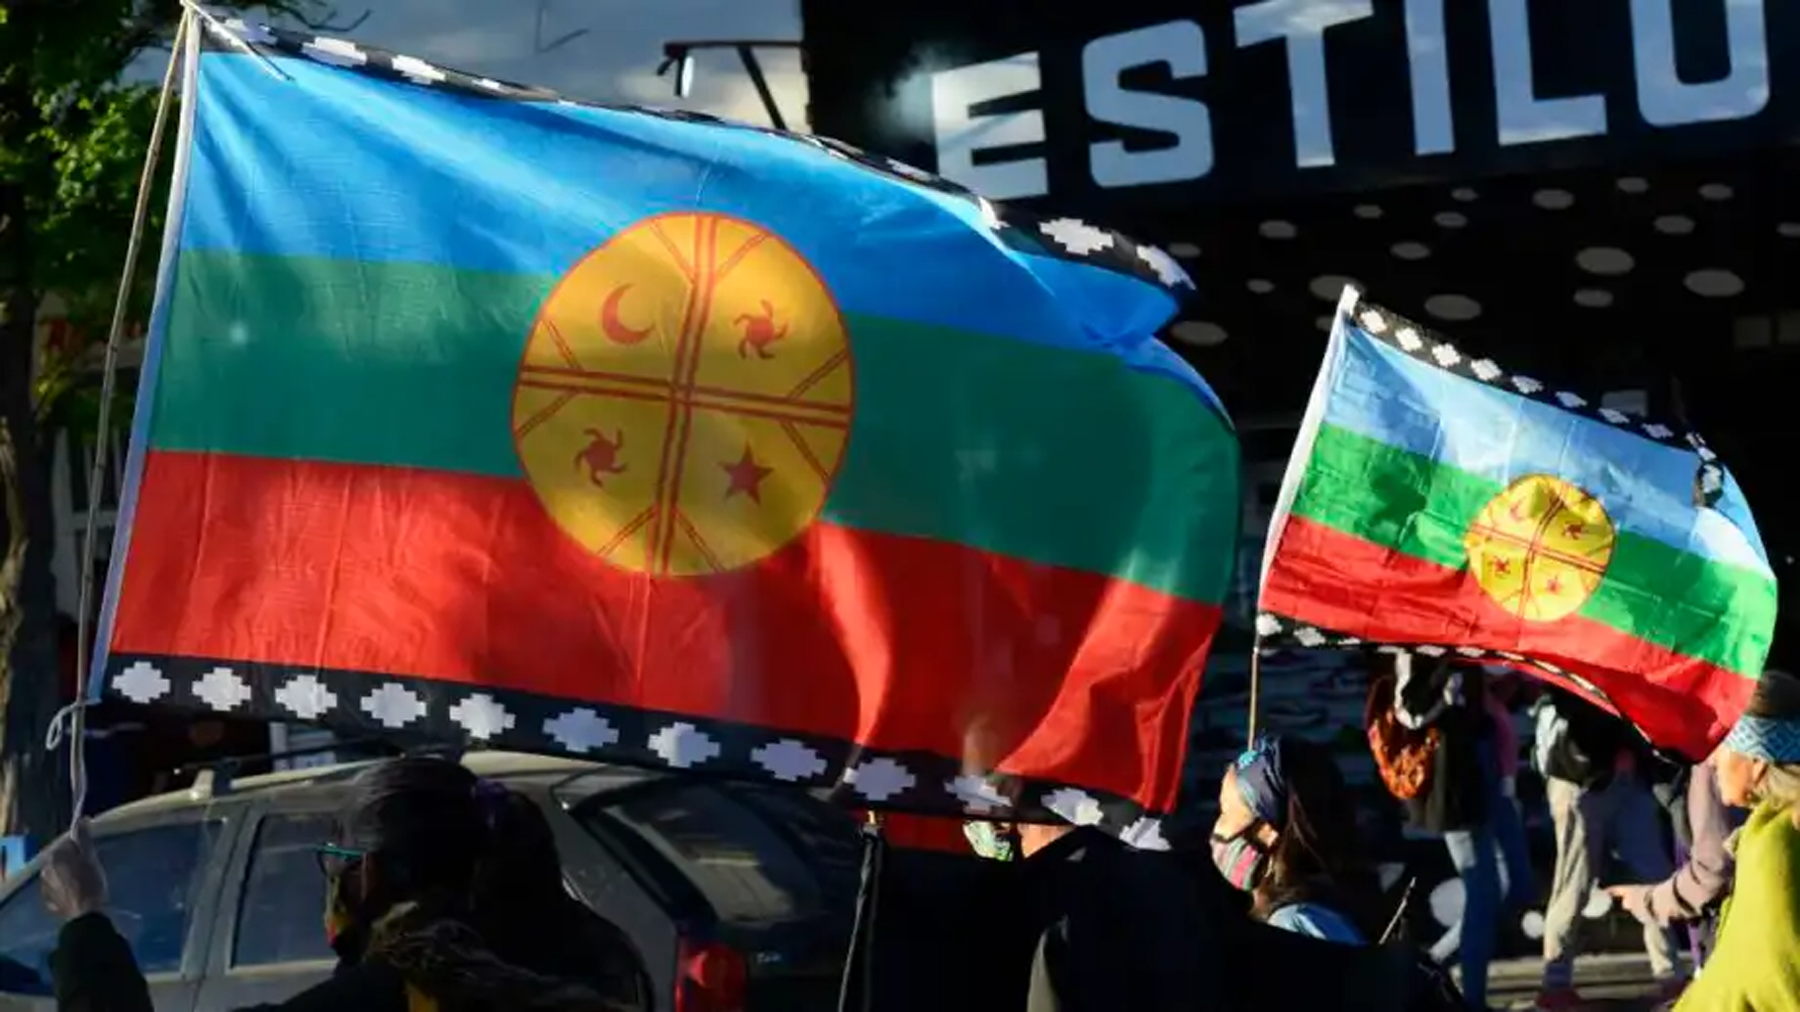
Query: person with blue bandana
point(1287, 835)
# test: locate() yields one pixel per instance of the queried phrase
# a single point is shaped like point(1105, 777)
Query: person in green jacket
point(1755, 967)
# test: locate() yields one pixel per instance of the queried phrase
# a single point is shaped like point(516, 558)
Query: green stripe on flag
point(1055, 456)
point(1416, 505)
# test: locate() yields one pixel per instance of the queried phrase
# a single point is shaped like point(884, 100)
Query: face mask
point(1239, 858)
point(990, 841)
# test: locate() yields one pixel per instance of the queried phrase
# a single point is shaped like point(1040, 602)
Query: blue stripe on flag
point(1646, 487)
point(338, 164)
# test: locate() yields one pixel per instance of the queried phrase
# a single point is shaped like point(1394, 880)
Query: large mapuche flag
point(473, 411)
point(1438, 503)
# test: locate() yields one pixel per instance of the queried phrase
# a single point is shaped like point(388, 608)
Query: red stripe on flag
point(896, 642)
point(1324, 577)
point(924, 832)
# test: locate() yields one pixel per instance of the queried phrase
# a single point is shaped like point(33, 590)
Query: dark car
point(737, 897)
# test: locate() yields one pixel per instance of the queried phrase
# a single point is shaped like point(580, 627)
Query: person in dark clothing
point(1121, 928)
point(1465, 801)
point(1129, 929)
point(1449, 698)
point(526, 912)
point(403, 912)
point(1103, 925)
point(1287, 835)
point(1093, 923)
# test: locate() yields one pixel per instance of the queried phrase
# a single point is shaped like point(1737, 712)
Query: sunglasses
point(335, 860)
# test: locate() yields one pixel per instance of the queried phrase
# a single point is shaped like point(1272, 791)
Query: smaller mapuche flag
point(1437, 502)
point(474, 412)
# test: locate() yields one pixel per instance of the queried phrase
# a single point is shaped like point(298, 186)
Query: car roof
point(488, 765)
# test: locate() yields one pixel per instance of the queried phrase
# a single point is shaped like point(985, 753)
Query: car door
point(163, 874)
point(270, 943)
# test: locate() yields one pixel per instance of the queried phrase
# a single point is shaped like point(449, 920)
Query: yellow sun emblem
point(684, 400)
point(1540, 548)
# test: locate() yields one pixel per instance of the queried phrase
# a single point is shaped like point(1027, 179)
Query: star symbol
point(746, 476)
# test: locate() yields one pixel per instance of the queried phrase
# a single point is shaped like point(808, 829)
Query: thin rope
point(75, 714)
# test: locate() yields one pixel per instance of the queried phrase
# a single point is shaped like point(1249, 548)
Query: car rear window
point(756, 856)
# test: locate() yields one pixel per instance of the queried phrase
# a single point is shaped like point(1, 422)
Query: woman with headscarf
point(416, 842)
point(1753, 966)
point(1287, 835)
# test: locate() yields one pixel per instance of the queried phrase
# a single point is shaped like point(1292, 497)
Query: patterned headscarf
point(1261, 781)
point(1770, 727)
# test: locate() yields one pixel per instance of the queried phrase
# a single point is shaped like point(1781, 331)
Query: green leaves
point(82, 212)
point(79, 82)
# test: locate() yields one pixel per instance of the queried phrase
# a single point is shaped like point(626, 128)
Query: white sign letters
point(960, 135)
point(968, 143)
point(1181, 47)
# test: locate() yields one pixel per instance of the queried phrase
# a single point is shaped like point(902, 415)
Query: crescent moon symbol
point(614, 329)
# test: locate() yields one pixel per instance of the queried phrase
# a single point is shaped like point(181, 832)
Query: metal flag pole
point(109, 380)
point(856, 990)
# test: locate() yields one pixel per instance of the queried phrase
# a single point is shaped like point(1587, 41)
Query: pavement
point(1615, 982)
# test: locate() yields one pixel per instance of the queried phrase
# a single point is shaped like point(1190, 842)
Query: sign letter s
point(1178, 45)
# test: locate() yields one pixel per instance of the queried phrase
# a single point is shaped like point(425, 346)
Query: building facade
point(1602, 195)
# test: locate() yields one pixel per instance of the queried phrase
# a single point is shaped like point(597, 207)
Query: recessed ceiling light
point(1278, 230)
point(1634, 184)
point(1674, 224)
point(1367, 212)
point(1453, 307)
point(1199, 333)
point(1184, 250)
point(1716, 191)
point(1260, 286)
point(1553, 200)
point(1605, 260)
point(1713, 283)
point(1594, 298)
point(1450, 219)
point(1410, 250)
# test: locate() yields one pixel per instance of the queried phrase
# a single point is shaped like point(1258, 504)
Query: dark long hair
point(419, 822)
point(520, 903)
point(472, 904)
point(1318, 856)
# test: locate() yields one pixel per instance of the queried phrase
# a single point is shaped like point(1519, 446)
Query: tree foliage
point(74, 127)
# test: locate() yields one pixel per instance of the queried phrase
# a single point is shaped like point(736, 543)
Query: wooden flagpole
point(1255, 689)
point(109, 380)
